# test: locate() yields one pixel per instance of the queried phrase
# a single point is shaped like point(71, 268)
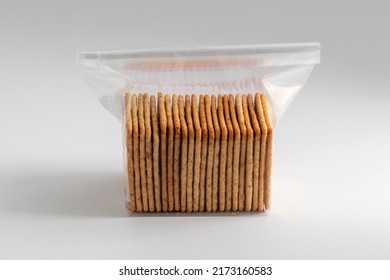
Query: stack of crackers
point(196, 153)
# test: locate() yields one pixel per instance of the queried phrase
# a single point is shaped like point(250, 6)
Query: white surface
point(61, 182)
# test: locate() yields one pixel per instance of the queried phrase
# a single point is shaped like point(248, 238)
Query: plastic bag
point(198, 122)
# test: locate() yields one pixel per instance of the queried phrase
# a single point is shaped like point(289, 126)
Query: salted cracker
point(264, 132)
point(203, 165)
point(242, 125)
point(256, 152)
point(137, 179)
point(163, 150)
point(230, 151)
point(148, 153)
point(176, 152)
point(142, 161)
point(217, 144)
point(190, 154)
point(269, 151)
point(129, 151)
point(223, 155)
point(156, 153)
point(236, 154)
point(198, 152)
point(249, 156)
point(210, 154)
point(183, 157)
point(170, 150)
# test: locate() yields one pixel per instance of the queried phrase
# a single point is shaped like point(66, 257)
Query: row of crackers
point(198, 152)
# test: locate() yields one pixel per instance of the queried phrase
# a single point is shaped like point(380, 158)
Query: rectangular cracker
point(156, 152)
point(242, 125)
point(217, 144)
point(190, 154)
point(148, 153)
point(223, 154)
point(210, 154)
point(170, 148)
point(198, 151)
point(163, 149)
point(264, 132)
point(269, 151)
point(184, 147)
point(249, 156)
point(137, 179)
point(176, 153)
point(230, 146)
point(129, 152)
point(142, 161)
point(236, 154)
point(203, 165)
point(256, 152)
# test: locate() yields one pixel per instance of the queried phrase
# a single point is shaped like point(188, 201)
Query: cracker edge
point(163, 150)
point(129, 152)
point(242, 125)
point(148, 153)
point(236, 156)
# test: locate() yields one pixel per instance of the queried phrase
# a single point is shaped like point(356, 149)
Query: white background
point(61, 181)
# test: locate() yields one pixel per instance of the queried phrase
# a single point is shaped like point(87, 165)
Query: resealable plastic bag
point(251, 87)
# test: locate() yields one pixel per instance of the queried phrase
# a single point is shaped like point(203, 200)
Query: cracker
point(256, 152)
point(137, 182)
point(190, 155)
point(129, 151)
point(176, 153)
point(230, 146)
point(170, 148)
point(148, 152)
point(203, 165)
point(223, 154)
point(210, 154)
point(184, 147)
point(268, 155)
point(264, 131)
point(198, 152)
point(236, 155)
point(242, 125)
point(142, 161)
point(156, 153)
point(217, 144)
point(163, 150)
point(249, 156)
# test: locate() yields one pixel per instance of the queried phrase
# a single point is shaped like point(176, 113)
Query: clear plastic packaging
point(198, 122)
